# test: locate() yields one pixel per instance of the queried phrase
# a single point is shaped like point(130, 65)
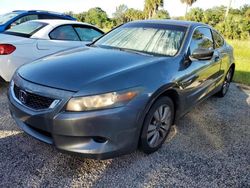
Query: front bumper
point(97, 134)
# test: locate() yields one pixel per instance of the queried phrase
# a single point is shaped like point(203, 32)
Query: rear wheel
point(157, 125)
point(226, 83)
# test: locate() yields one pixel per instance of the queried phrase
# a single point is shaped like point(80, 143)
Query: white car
point(32, 40)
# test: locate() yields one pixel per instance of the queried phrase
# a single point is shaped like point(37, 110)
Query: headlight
point(102, 101)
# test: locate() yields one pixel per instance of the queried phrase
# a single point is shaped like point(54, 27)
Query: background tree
point(195, 14)
point(189, 3)
point(247, 14)
point(133, 14)
point(97, 16)
point(228, 8)
point(235, 26)
point(70, 13)
point(119, 14)
point(151, 7)
point(244, 9)
point(161, 14)
point(81, 17)
point(214, 15)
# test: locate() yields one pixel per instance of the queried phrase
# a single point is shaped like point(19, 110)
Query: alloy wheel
point(159, 126)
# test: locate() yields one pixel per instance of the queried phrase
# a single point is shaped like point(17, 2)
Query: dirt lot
point(210, 147)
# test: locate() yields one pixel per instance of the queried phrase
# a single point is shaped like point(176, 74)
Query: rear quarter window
point(65, 32)
point(218, 39)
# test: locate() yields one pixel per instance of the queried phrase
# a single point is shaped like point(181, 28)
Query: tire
point(226, 84)
point(157, 125)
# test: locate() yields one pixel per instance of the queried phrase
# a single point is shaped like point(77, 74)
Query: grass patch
point(242, 60)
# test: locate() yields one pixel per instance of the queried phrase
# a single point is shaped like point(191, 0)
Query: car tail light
point(6, 49)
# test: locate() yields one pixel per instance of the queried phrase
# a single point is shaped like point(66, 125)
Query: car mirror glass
point(202, 54)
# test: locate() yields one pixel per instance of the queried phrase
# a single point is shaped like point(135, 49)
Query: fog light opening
point(99, 139)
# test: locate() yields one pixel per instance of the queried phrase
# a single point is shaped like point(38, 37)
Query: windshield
point(157, 39)
point(6, 17)
point(26, 29)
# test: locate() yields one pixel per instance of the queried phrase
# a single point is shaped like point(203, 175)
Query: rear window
point(26, 29)
point(6, 17)
point(65, 32)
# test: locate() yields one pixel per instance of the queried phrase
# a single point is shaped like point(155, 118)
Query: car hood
point(73, 69)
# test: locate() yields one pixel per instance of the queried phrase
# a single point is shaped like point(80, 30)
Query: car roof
point(40, 11)
point(172, 22)
point(58, 22)
point(20, 12)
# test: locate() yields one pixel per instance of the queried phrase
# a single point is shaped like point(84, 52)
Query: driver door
point(201, 75)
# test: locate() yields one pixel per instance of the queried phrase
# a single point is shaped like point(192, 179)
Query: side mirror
point(202, 54)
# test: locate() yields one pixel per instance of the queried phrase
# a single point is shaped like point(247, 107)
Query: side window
point(24, 19)
point(202, 39)
point(218, 40)
point(87, 33)
point(65, 32)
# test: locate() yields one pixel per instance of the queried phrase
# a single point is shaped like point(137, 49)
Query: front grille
point(32, 100)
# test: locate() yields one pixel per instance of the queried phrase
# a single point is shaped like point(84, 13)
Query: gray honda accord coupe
point(124, 91)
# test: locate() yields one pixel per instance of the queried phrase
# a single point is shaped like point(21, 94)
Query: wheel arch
point(169, 90)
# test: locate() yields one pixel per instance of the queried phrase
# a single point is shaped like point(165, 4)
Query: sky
point(174, 7)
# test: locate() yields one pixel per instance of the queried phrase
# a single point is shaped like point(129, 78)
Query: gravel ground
point(210, 147)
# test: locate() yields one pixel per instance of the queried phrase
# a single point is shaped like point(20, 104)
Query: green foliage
point(195, 14)
point(236, 25)
point(97, 16)
point(123, 14)
point(247, 14)
point(189, 3)
point(81, 17)
point(151, 7)
point(214, 15)
point(242, 56)
point(119, 14)
point(133, 14)
point(161, 14)
point(245, 8)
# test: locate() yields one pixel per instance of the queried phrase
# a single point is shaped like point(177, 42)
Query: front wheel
point(226, 83)
point(157, 125)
